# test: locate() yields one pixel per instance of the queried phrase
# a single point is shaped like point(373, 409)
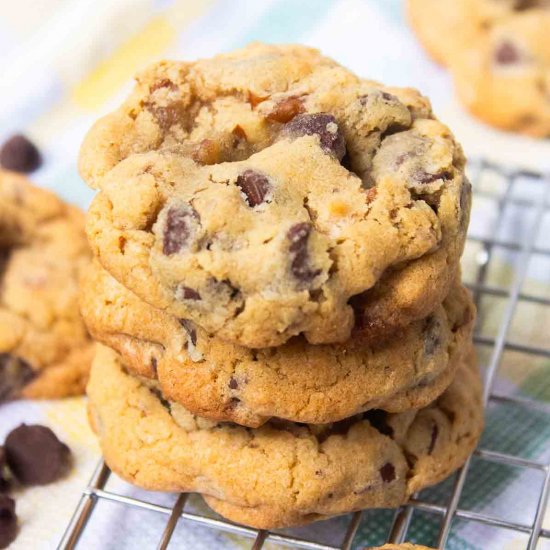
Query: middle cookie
point(295, 381)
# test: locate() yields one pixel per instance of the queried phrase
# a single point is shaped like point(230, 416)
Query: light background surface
point(66, 62)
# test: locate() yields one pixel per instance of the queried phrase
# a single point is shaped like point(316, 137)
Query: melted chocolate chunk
point(255, 187)
point(20, 155)
point(387, 472)
point(35, 455)
point(169, 115)
point(186, 293)
point(426, 177)
point(15, 374)
point(179, 229)
point(298, 235)
point(507, 53)
point(190, 329)
point(8, 521)
point(322, 124)
point(233, 384)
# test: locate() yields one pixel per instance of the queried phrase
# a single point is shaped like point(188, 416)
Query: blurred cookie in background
point(45, 350)
point(498, 52)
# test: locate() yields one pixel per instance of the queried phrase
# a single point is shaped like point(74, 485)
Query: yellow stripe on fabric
point(113, 72)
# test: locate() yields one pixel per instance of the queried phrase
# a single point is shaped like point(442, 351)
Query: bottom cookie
point(283, 473)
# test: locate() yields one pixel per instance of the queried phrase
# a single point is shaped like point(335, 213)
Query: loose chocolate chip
point(179, 229)
point(432, 335)
point(506, 53)
point(322, 124)
point(15, 374)
point(387, 472)
point(8, 521)
point(298, 235)
point(433, 439)
point(186, 293)
point(20, 155)
point(190, 329)
point(378, 419)
point(233, 384)
point(255, 187)
point(286, 110)
point(35, 455)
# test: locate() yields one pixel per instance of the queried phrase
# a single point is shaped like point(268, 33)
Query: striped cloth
point(67, 62)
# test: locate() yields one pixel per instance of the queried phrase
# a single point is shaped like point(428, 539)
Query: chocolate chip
point(322, 124)
point(20, 155)
point(8, 521)
point(387, 472)
point(286, 110)
point(15, 374)
point(432, 335)
point(179, 228)
point(35, 455)
point(507, 53)
point(255, 187)
point(154, 364)
point(190, 329)
point(298, 235)
point(425, 177)
point(186, 293)
point(378, 419)
point(389, 97)
point(433, 439)
point(167, 116)
point(233, 384)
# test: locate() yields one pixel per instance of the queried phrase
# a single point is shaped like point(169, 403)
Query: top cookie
point(256, 193)
point(45, 350)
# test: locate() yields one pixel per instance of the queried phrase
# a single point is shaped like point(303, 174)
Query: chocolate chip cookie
point(498, 52)
point(282, 473)
point(45, 350)
point(270, 193)
point(295, 381)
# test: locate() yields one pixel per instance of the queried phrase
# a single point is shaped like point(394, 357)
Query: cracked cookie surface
point(498, 52)
point(282, 473)
point(295, 381)
point(45, 350)
point(265, 193)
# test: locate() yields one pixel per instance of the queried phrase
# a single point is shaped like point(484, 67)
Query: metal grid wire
point(507, 194)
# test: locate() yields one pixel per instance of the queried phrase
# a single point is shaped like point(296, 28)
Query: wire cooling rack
point(512, 208)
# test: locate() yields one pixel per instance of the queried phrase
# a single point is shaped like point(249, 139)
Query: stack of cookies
point(276, 288)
